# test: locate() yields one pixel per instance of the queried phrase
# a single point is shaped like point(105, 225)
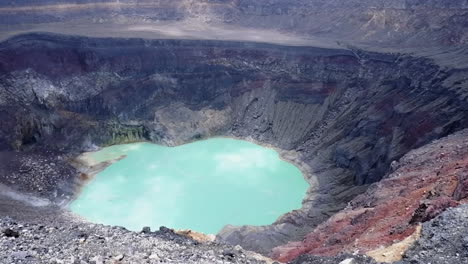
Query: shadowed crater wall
point(342, 115)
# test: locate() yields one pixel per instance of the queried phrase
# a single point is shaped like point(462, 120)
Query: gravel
point(56, 236)
point(444, 240)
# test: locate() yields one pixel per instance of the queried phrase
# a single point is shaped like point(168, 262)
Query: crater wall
point(343, 115)
point(401, 23)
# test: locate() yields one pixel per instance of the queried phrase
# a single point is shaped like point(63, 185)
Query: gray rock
point(11, 233)
point(20, 254)
point(146, 230)
point(97, 260)
point(443, 239)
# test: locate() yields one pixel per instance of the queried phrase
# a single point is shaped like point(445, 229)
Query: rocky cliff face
point(343, 114)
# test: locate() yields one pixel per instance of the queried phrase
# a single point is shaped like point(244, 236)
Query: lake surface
point(200, 186)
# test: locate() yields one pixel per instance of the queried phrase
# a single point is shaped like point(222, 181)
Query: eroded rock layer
point(342, 115)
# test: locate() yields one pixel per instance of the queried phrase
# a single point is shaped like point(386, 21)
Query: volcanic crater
point(350, 116)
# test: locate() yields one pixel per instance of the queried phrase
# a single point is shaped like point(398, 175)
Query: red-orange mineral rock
point(424, 183)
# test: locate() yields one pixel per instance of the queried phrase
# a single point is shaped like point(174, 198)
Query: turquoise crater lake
point(201, 186)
